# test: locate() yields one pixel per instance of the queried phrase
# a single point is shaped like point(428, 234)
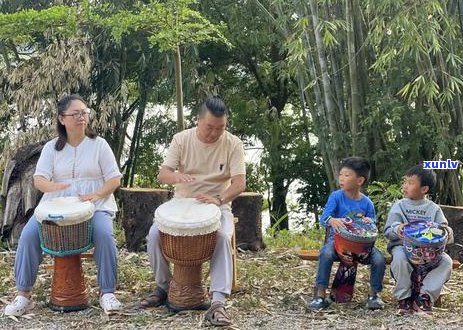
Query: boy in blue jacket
point(349, 199)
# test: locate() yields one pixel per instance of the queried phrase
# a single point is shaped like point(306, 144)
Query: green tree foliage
point(22, 26)
point(157, 132)
point(311, 82)
point(418, 56)
point(383, 195)
point(118, 67)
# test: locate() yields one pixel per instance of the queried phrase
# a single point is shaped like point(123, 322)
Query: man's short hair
point(426, 177)
point(359, 165)
point(215, 106)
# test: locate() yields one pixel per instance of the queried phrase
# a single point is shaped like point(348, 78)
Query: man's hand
point(183, 178)
point(203, 198)
point(337, 224)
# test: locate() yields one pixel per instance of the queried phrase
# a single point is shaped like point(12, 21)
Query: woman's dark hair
point(63, 105)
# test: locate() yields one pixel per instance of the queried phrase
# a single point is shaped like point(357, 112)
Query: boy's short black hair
point(359, 165)
point(427, 177)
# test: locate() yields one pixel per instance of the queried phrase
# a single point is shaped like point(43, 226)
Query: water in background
point(298, 219)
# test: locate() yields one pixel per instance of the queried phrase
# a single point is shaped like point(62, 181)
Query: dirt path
point(274, 289)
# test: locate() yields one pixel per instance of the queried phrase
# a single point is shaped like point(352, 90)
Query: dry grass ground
point(274, 288)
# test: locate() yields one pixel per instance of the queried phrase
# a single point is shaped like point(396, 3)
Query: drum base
point(186, 291)
point(68, 290)
point(66, 309)
point(177, 309)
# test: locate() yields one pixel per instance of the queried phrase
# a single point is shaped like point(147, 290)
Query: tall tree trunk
point(140, 121)
point(353, 78)
point(460, 15)
point(137, 131)
point(327, 93)
point(279, 210)
point(318, 113)
point(179, 89)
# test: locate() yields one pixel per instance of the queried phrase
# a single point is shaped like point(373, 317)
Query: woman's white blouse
point(86, 167)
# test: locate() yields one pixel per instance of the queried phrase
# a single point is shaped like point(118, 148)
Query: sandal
point(217, 314)
point(19, 306)
point(155, 299)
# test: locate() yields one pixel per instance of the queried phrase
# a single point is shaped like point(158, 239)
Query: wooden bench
point(313, 255)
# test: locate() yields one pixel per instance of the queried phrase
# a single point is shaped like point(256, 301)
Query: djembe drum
point(424, 242)
point(356, 240)
point(188, 231)
point(353, 245)
point(65, 230)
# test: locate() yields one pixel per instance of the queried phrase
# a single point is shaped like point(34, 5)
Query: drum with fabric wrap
point(424, 242)
point(357, 238)
point(65, 231)
point(188, 231)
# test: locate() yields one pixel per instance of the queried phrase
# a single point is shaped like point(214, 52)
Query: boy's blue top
point(339, 205)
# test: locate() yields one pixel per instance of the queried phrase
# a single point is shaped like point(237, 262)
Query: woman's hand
point(56, 186)
point(92, 197)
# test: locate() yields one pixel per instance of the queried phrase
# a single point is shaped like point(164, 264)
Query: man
point(206, 163)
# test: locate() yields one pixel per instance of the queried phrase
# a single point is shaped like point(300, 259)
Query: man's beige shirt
point(212, 165)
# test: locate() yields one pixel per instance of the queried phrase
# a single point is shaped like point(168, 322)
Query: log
point(454, 215)
point(138, 206)
point(247, 207)
point(19, 196)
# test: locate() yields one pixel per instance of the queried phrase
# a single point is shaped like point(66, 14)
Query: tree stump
point(247, 207)
point(19, 196)
point(454, 215)
point(138, 206)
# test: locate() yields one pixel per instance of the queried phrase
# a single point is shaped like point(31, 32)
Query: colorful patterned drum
point(188, 231)
point(357, 239)
point(424, 242)
point(65, 231)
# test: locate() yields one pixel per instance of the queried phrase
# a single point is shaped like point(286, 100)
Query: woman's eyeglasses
point(78, 114)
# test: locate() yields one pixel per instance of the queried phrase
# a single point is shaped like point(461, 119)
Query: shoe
point(19, 306)
point(374, 302)
point(318, 303)
point(109, 303)
point(424, 303)
point(405, 306)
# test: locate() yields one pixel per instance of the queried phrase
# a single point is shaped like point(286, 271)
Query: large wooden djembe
point(65, 230)
point(188, 231)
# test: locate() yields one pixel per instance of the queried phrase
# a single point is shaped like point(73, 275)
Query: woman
point(77, 162)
